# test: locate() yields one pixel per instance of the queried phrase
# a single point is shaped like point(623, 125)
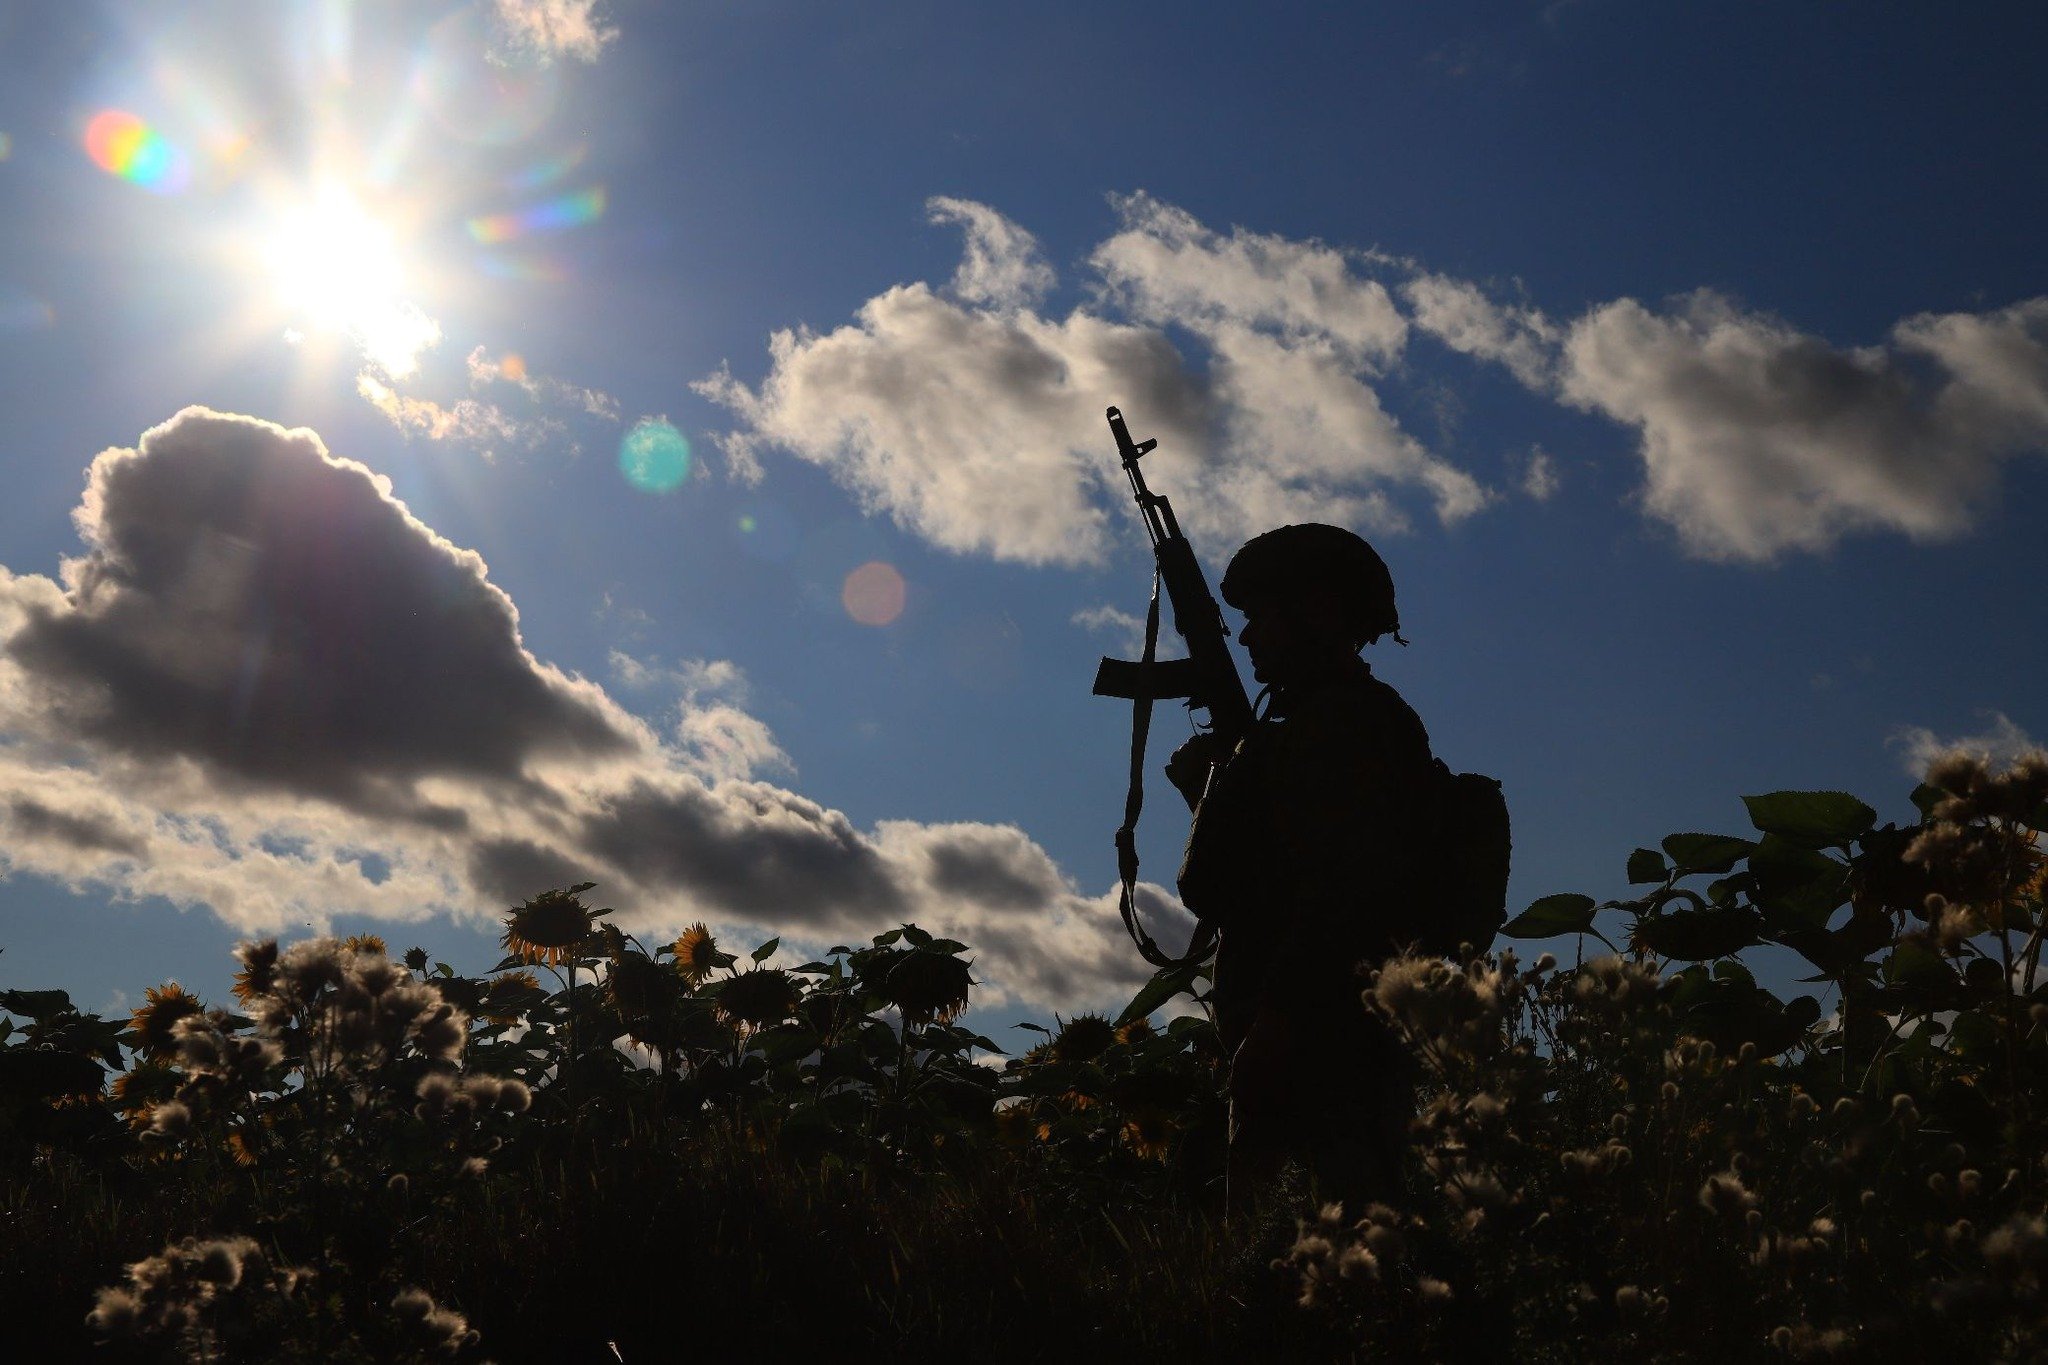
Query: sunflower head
point(259, 969)
point(365, 943)
point(1016, 1125)
point(1137, 1031)
point(163, 1007)
point(928, 986)
point(510, 996)
point(142, 1087)
point(638, 988)
point(764, 996)
point(697, 954)
point(242, 1148)
point(1083, 1038)
point(416, 959)
point(553, 927)
point(1148, 1133)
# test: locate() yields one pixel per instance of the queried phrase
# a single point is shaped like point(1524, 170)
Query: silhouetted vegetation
point(605, 1150)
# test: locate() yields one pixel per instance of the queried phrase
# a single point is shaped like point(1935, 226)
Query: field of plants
point(609, 1150)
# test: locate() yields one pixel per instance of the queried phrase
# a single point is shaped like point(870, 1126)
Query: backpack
point(1465, 862)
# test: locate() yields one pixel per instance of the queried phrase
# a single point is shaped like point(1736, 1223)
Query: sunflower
point(1137, 1031)
point(638, 989)
point(697, 954)
point(550, 928)
point(1148, 1133)
point(259, 970)
point(928, 986)
point(242, 1148)
point(164, 1006)
point(1016, 1125)
point(764, 996)
point(508, 997)
point(1083, 1038)
point(142, 1087)
point(365, 943)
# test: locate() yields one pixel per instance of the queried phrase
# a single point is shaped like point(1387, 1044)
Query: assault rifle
point(1207, 677)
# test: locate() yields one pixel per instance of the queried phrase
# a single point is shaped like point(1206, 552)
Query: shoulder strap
point(1134, 805)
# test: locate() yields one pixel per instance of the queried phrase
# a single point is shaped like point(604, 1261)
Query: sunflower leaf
point(767, 950)
point(1565, 913)
point(34, 1004)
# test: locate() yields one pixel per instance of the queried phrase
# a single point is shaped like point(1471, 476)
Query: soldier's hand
point(1189, 767)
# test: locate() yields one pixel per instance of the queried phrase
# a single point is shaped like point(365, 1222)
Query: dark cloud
point(265, 688)
point(28, 818)
point(251, 602)
point(754, 850)
point(514, 870)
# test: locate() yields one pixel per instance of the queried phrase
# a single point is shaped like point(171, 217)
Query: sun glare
point(335, 267)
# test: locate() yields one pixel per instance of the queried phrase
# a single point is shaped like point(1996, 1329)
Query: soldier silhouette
point(1304, 853)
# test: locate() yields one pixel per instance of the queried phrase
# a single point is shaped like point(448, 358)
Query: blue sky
point(1688, 365)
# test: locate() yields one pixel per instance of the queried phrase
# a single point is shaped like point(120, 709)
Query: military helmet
point(1293, 560)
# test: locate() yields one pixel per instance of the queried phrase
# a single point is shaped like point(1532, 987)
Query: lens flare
point(121, 144)
point(873, 594)
point(543, 174)
point(556, 215)
point(766, 532)
point(654, 456)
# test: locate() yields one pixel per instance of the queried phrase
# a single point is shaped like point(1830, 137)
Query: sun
point(334, 266)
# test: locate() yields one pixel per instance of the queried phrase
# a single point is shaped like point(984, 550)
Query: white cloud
point(979, 426)
point(1460, 315)
point(554, 28)
point(1168, 269)
point(1758, 439)
point(971, 419)
point(1000, 265)
point(722, 743)
point(468, 421)
point(1126, 627)
point(2002, 743)
point(715, 737)
point(977, 429)
point(510, 369)
point(262, 670)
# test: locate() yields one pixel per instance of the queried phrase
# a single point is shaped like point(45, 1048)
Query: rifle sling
point(1134, 805)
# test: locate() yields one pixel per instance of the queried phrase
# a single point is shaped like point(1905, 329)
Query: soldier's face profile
point(1289, 639)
